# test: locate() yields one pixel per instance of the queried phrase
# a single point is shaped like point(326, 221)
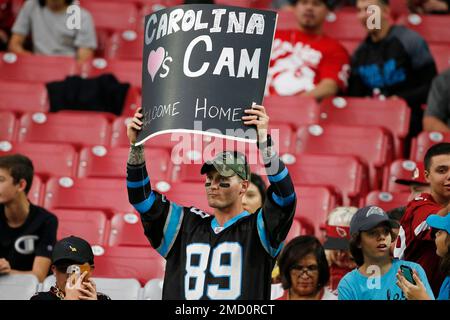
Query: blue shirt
point(356, 286)
point(444, 293)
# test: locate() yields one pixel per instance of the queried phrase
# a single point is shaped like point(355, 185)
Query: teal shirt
point(444, 293)
point(356, 286)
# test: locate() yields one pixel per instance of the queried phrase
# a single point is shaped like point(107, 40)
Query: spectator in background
point(255, 195)
point(415, 242)
point(72, 265)
point(336, 244)
point(417, 183)
point(304, 270)
point(429, 6)
point(27, 232)
point(392, 61)
point(441, 231)
point(396, 215)
point(437, 113)
point(375, 278)
point(45, 21)
point(6, 22)
point(305, 61)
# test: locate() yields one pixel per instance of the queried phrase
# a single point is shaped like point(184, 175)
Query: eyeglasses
point(299, 270)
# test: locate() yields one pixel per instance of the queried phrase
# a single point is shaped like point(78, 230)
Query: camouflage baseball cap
point(228, 163)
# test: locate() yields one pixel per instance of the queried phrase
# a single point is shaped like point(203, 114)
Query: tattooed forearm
point(136, 155)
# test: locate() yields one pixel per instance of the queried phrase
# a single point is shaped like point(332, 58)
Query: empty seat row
point(43, 69)
point(110, 197)
point(345, 25)
point(346, 174)
point(24, 286)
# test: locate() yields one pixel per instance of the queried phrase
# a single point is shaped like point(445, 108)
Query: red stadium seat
point(127, 230)
point(128, 262)
point(391, 114)
point(185, 193)
point(346, 174)
point(101, 162)
point(129, 71)
point(33, 97)
point(433, 28)
point(387, 200)
point(373, 145)
point(299, 229)
point(109, 195)
point(90, 225)
point(125, 45)
point(295, 231)
point(344, 25)
point(48, 159)
point(112, 16)
point(8, 125)
point(398, 8)
point(441, 55)
point(79, 128)
point(36, 193)
point(35, 68)
point(313, 205)
point(132, 101)
point(424, 141)
point(399, 169)
point(257, 4)
point(282, 109)
point(286, 20)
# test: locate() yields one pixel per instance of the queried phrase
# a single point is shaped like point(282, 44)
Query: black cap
point(369, 217)
point(73, 249)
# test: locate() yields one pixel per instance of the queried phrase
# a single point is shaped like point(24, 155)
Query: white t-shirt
point(49, 30)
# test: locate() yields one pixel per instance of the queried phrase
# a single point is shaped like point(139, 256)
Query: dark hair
point(435, 150)
point(43, 2)
point(356, 251)
point(19, 167)
point(260, 185)
point(445, 262)
point(396, 213)
point(295, 250)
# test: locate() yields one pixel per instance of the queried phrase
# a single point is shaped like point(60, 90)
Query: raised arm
point(275, 218)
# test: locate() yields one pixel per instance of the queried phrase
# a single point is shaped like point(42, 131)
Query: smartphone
point(407, 273)
point(78, 269)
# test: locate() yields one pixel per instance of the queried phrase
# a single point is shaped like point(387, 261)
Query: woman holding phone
point(375, 278)
point(72, 265)
point(416, 290)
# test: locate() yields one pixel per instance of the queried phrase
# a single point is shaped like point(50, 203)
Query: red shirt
point(336, 274)
point(414, 242)
point(299, 61)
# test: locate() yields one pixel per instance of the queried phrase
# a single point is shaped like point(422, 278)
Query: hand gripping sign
point(203, 65)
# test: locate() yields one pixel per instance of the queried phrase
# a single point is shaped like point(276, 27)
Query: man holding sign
point(229, 255)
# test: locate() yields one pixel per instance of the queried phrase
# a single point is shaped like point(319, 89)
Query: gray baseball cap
point(369, 217)
point(228, 163)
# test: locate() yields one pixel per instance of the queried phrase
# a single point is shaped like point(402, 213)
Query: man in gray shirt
point(46, 21)
point(437, 114)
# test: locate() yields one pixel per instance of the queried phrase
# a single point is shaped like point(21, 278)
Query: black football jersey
point(205, 260)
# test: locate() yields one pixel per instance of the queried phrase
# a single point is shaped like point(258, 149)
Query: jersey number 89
point(233, 270)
